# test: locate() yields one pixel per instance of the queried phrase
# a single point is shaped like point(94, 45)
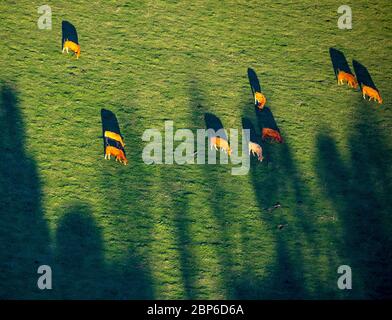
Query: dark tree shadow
point(81, 271)
point(213, 182)
point(339, 61)
point(122, 195)
point(280, 182)
point(173, 183)
point(253, 81)
point(188, 263)
point(110, 123)
point(24, 238)
point(68, 33)
point(359, 189)
point(78, 265)
point(285, 276)
point(363, 75)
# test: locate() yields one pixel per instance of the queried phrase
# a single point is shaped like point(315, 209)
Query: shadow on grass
point(359, 189)
point(81, 271)
point(248, 125)
point(175, 185)
point(24, 237)
point(110, 123)
point(78, 265)
point(285, 277)
point(339, 62)
point(68, 32)
point(214, 123)
point(253, 81)
point(363, 75)
point(266, 119)
point(216, 197)
point(279, 181)
point(130, 224)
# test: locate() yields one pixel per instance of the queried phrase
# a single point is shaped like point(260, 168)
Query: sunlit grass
point(196, 231)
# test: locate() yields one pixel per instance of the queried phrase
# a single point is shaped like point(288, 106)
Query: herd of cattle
point(114, 142)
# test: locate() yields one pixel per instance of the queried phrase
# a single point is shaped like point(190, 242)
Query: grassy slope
point(194, 231)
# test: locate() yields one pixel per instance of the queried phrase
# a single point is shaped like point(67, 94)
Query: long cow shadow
point(110, 123)
point(68, 32)
point(248, 125)
point(266, 120)
point(214, 123)
point(339, 61)
point(363, 75)
point(265, 117)
point(24, 236)
point(253, 81)
point(360, 190)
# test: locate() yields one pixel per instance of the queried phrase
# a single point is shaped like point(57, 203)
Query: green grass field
point(193, 231)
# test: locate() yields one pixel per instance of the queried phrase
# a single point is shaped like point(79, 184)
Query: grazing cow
point(260, 100)
point(221, 144)
point(115, 136)
point(268, 133)
point(371, 93)
point(256, 150)
point(349, 78)
point(70, 45)
point(117, 153)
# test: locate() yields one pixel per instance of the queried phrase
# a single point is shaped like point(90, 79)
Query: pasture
point(194, 231)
